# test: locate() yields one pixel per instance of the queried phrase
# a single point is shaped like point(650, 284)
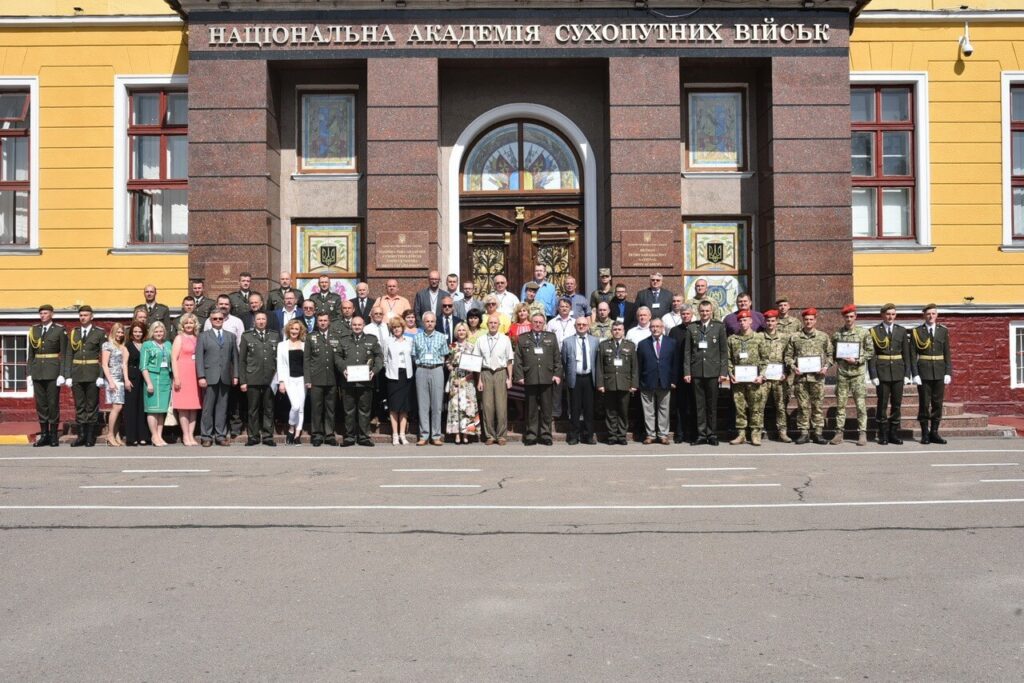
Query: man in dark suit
point(81, 372)
point(617, 379)
point(276, 297)
point(308, 316)
point(705, 364)
point(363, 303)
point(257, 367)
point(447, 320)
point(933, 370)
point(889, 369)
point(622, 310)
point(240, 299)
point(579, 359)
point(256, 306)
point(684, 405)
point(287, 312)
point(538, 368)
point(658, 364)
point(428, 299)
point(655, 297)
point(47, 358)
point(154, 311)
point(217, 369)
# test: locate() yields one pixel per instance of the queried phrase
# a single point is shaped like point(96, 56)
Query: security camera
point(965, 42)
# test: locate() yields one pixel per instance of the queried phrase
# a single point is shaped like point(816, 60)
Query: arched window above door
point(518, 157)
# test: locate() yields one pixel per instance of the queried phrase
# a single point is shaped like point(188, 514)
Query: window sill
point(305, 177)
point(20, 251)
point(1012, 248)
point(718, 174)
point(891, 248)
point(149, 249)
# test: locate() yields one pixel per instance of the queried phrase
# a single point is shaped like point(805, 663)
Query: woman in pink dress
point(185, 393)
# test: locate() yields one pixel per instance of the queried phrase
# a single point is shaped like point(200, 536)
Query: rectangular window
point(1017, 355)
point(716, 130)
point(15, 178)
point(327, 131)
point(1017, 160)
point(157, 180)
point(882, 158)
point(14, 380)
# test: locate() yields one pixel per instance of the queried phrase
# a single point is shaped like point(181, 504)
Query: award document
point(471, 363)
point(745, 373)
point(808, 364)
point(359, 373)
point(848, 350)
point(773, 371)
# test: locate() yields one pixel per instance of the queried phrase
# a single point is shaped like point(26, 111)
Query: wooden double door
point(512, 235)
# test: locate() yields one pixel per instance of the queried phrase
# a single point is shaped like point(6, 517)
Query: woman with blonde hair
point(463, 412)
point(520, 322)
point(398, 372)
point(290, 366)
point(185, 393)
point(156, 372)
point(114, 362)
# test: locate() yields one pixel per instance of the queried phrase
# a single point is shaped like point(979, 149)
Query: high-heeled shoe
point(403, 439)
point(395, 441)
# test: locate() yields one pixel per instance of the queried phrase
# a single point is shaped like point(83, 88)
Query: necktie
point(536, 339)
point(586, 356)
point(261, 336)
point(150, 307)
point(220, 338)
point(657, 347)
point(46, 328)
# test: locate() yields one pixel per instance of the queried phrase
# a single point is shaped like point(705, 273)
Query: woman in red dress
point(185, 390)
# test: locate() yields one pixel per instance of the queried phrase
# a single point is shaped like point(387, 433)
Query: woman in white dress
point(290, 363)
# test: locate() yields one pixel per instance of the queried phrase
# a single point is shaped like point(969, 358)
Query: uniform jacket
point(87, 349)
point(257, 360)
point(53, 346)
point(537, 368)
point(329, 303)
point(712, 361)
point(645, 297)
point(890, 361)
point(275, 298)
point(159, 312)
point(617, 377)
point(362, 351)
point(867, 350)
point(775, 350)
point(789, 325)
point(748, 349)
point(930, 355)
point(658, 372)
point(217, 363)
point(817, 343)
point(240, 303)
point(318, 367)
point(249, 320)
point(569, 357)
point(203, 309)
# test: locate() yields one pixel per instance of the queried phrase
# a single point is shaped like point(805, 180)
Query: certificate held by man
point(808, 364)
point(848, 350)
point(745, 373)
point(358, 373)
point(773, 371)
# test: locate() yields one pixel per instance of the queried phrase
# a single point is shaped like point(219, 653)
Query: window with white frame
point(1017, 355)
point(14, 379)
point(1015, 135)
point(19, 164)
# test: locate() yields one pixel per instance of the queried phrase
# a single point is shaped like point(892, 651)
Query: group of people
point(449, 362)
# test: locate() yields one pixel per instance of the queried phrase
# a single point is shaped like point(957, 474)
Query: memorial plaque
point(647, 248)
point(402, 249)
point(222, 276)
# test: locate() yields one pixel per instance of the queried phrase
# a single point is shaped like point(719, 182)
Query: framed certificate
point(808, 364)
point(470, 362)
point(848, 350)
point(359, 373)
point(745, 373)
point(773, 371)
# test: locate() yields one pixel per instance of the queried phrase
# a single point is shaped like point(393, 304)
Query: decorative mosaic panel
point(488, 261)
point(716, 247)
point(556, 258)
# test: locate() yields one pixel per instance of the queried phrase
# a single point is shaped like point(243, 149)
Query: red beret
point(809, 311)
point(771, 313)
point(740, 315)
point(849, 308)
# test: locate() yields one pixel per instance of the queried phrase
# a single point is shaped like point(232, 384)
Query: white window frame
point(1014, 326)
point(32, 83)
point(918, 80)
point(16, 332)
point(1007, 81)
point(123, 85)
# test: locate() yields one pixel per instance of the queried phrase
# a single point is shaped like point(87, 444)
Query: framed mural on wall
point(331, 249)
point(327, 132)
point(717, 251)
point(716, 125)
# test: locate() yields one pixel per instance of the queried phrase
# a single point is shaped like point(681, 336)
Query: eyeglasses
point(216, 319)
point(447, 306)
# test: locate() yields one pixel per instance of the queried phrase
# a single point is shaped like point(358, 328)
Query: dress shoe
point(592, 441)
point(678, 439)
point(366, 442)
point(712, 440)
point(233, 434)
point(935, 438)
point(269, 442)
point(895, 440)
point(205, 443)
point(317, 442)
point(648, 441)
point(546, 442)
point(289, 438)
point(489, 442)
point(699, 441)
point(817, 438)
point(924, 439)
point(663, 441)
point(223, 442)
point(331, 441)
point(882, 439)
point(421, 442)
point(348, 442)
point(529, 442)
point(437, 442)
point(802, 439)
point(502, 441)
point(572, 442)
point(250, 442)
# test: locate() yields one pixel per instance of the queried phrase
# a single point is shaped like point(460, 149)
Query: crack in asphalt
point(499, 485)
point(802, 489)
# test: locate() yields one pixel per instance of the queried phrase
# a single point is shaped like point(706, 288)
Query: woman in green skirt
point(155, 364)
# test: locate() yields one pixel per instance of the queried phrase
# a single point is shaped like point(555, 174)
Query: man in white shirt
point(231, 324)
point(562, 326)
point(289, 312)
point(643, 326)
point(495, 380)
point(675, 316)
point(507, 301)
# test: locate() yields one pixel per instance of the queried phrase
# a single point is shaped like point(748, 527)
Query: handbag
point(170, 420)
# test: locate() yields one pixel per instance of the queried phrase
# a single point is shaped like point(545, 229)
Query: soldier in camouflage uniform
point(788, 326)
point(776, 391)
point(748, 348)
point(809, 387)
point(850, 376)
point(530, 299)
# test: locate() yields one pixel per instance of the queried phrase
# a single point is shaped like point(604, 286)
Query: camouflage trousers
point(810, 397)
point(776, 393)
point(749, 400)
point(847, 386)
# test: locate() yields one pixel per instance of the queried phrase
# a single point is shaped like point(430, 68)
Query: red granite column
point(644, 119)
point(234, 200)
point(401, 172)
point(806, 249)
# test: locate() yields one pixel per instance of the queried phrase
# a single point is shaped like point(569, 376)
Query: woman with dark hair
point(136, 431)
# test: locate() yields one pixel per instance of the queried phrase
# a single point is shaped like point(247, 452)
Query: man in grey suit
point(655, 297)
point(579, 358)
point(705, 364)
point(428, 300)
point(217, 369)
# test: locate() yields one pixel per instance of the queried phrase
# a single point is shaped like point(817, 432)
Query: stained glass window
point(521, 157)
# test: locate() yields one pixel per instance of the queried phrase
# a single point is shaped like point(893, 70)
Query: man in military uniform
point(617, 376)
point(775, 383)
point(321, 382)
point(154, 311)
point(530, 290)
point(604, 292)
point(700, 293)
point(933, 370)
point(788, 324)
point(747, 349)
point(850, 365)
point(889, 368)
point(240, 299)
point(188, 305)
point(343, 323)
point(257, 367)
point(602, 327)
point(82, 371)
point(538, 368)
point(705, 365)
point(204, 304)
point(358, 348)
point(325, 300)
point(275, 299)
point(47, 357)
point(809, 347)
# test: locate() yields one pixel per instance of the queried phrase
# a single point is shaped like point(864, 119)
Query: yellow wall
point(965, 150)
point(76, 69)
point(56, 8)
point(930, 5)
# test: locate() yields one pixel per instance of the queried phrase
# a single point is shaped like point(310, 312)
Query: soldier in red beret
point(853, 349)
point(775, 375)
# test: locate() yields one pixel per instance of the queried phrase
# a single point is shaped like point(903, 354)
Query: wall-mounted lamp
point(808, 4)
point(965, 42)
point(640, 4)
point(399, 4)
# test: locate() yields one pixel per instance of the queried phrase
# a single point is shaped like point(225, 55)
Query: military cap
point(849, 308)
point(781, 299)
point(771, 313)
point(742, 314)
point(604, 271)
point(888, 307)
point(532, 285)
point(809, 311)
point(46, 307)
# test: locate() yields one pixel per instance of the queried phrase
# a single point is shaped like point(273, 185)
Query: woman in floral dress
point(115, 370)
point(463, 411)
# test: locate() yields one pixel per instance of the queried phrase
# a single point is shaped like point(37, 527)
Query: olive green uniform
point(257, 367)
point(809, 389)
point(357, 397)
point(203, 309)
point(716, 312)
point(155, 312)
point(850, 377)
point(275, 299)
point(240, 302)
point(748, 397)
point(318, 371)
point(617, 372)
point(776, 391)
point(930, 360)
point(47, 356)
point(538, 362)
point(83, 367)
point(890, 365)
point(788, 326)
point(329, 303)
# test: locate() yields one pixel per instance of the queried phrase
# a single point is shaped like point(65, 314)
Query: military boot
point(802, 439)
point(740, 439)
point(79, 435)
point(933, 435)
point(91, 430)
point(894, 435)
point(784, 437)
point(862, 439)
point(44, 436)
point(837, 439)
point(755, 437)
point(54, 435)
point(924, 434)
point(883, 437)
point(819, 439)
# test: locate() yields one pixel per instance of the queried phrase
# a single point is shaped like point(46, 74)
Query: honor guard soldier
point(748, 352)
point(853, 351)
point(775, 386)
point(811, 350)
point(705, 365)
point(82, 371)
point(325, 300)
point(47, 356)
point(257, 368)
point(617, 378)
point(538, 367)
point(275, 299)
point(933, 370)
point(321, 345)
point(204, 304)
point(240, 299)
point(358, 349)
point(889, 369)
point(154, 311)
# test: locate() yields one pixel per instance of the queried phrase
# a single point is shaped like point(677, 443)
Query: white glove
point(947, 379)
point(875, 381)
point(907, 381)
point(67, 382)
point(917, 380)
point(100, 382)
point(60, 380)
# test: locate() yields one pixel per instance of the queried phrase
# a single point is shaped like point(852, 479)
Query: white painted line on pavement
point(327, 508)
point(707, 469)
point(468, 469)
point(725, 486)
point(158, 471)
point(149, 486)
point(430, 486)
point(979, 464)
point(996, 481)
